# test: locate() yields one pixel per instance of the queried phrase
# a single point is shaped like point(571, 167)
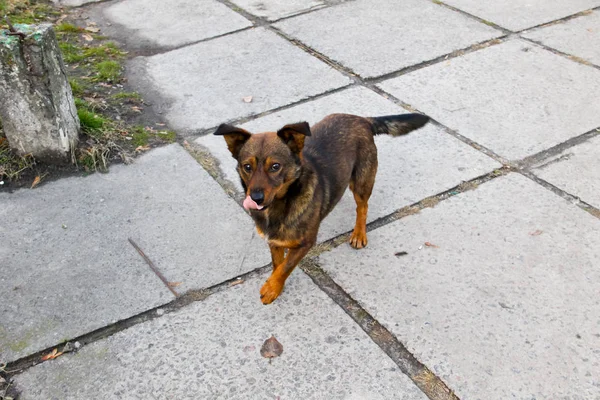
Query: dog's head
point(268, 163)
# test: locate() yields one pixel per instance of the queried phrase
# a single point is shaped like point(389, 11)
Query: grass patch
point(90, 121)
point(140, 136)
point(77, 87)
point(66, 27)
point(108, 71)
point(25, 11)
point(71, 53)
point(167, 136)
point(129, 96)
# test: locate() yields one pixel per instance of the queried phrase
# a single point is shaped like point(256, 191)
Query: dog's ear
point(294, 134)
point(235, 138)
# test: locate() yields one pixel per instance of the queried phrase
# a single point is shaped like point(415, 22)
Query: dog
point(294, 177)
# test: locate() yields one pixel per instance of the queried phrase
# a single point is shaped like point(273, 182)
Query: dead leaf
point(247, 99)
point(174, 284)
point(237, 282)
point(400, 254)
point(92, 29)
point(428, 244)
point(61, 19)
point(160, 124)
point(36, 181)
point(136, 109)
point(142, 148)
point(536, 232)
point(271, 348)
point(87, 37)
point(51, 356)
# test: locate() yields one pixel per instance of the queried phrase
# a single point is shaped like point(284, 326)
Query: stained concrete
point(579, 37)
point(211, 350)
point(375, 37)
point(203, 85)
point(576, 171)
point(275, 9)
point(69, 268)
point(515, 98)
point(503, 305)
point(517, 14)
point(150, 23)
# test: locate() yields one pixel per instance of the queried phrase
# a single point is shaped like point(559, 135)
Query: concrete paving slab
point(506, 307)
point(579, 37)
point(211, 350)
point(272, 10)
point(428, 155)
point(375, 37)
point(68, 267)
point(203, 85)
point(515, 98)
point(167, 24)
point(576, 171)
point(517, 15)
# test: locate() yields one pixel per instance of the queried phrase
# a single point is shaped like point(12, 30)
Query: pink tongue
point(251, 204)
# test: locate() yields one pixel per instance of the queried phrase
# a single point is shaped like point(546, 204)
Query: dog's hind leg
point(361, 185)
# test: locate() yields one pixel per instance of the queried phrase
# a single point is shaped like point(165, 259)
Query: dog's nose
point(258, 196)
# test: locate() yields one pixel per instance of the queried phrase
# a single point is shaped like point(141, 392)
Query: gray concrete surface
point(579, 37)
point(74, 3)
point(505, 307)
point(204, 85)
point(211, 350)
point(427, 155)
point(272, 10)
point(582, 162)
point(150, 23)
point(517, 14)
point(70, 268)
point(375, 37)
point(542, 100)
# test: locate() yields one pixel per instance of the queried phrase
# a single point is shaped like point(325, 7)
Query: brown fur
point(315, 168)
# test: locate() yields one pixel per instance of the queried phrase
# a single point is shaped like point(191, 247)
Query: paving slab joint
point(560, 53)
point(565, 195)
point(422, 376)
point(559, 20)
point(540, 160)
point(469, 15)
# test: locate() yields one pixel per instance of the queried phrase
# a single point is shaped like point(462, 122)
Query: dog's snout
point(258, 196)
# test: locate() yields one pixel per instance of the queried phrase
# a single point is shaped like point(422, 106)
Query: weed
point(11, 164)
point(129, 96)
point(108, 71)
point(66, 27)
point(77, 87)
point(71, 53)
point(140, 136)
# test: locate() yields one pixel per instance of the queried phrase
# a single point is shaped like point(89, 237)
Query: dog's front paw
point(270, 290)
point(358, 240)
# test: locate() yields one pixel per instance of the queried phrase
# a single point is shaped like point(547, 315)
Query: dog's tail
point(396, 125)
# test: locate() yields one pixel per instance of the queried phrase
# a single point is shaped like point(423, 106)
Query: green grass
point(131, 96)
point(90, 121)
point(108, 71)
point(66, 27)
point(71, 53)
point(77, 87)
point(103, 52)
point(167, 136)
point(140, 136)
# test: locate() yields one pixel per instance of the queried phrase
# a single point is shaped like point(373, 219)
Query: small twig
point(153, 267)
point(12, 31)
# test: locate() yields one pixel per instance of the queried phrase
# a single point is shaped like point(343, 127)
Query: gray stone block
point(576, 171)
point(505, 307)
point(375, 37)
point(68, 267)
point(517, 14)
point(203, 85)
point(152, 23)
point(515, 98)
point(211, 350)
point(411, 168)
point(276, 9)
point(579, 37)
point(37, 109)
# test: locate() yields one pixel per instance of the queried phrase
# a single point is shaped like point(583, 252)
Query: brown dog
point(294, 177)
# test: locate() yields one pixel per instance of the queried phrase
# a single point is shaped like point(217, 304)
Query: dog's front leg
point(277, 255)
point(274, 285)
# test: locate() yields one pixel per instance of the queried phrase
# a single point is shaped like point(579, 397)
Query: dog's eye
point(247, 167)
point(275, 167)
